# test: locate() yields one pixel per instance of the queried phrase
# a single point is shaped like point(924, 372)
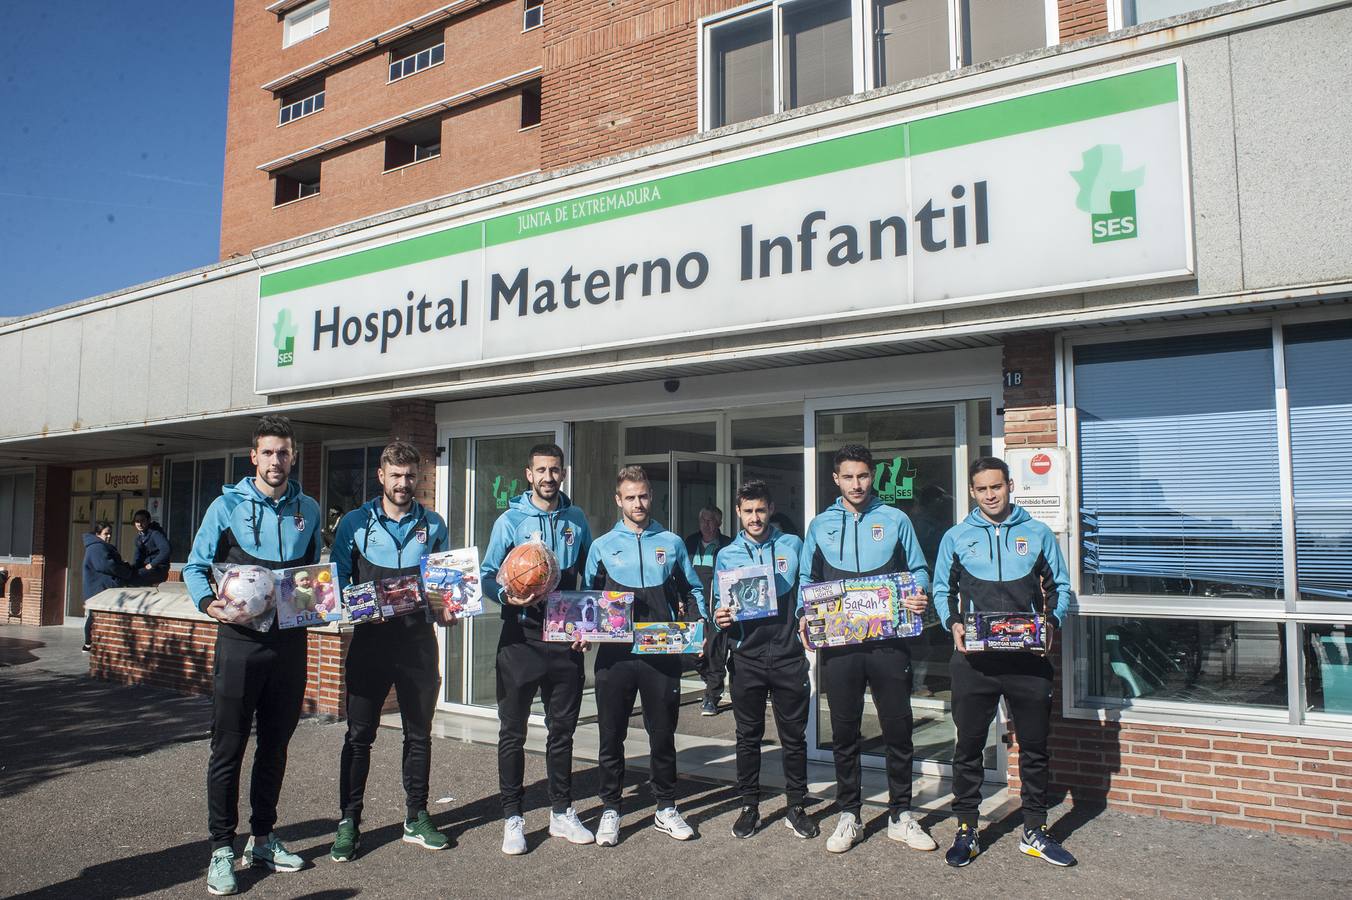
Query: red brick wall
point(1082, 18)
point(1030, 408)
point(415, 421)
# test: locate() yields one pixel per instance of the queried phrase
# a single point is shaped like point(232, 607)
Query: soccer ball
point(531, 570)
point(247, 592)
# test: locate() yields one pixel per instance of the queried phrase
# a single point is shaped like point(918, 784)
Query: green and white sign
point(1072, 188)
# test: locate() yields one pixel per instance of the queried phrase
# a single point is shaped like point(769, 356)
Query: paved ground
point(101, 795)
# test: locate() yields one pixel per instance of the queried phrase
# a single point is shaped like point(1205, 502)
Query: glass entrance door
point(700, 480)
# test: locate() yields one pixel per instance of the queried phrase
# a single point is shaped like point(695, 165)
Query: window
point(297, 182)
point(191, 486)
point(16, 515)
point(534, 15)
point(413, 58)
point(299, 104)
point(530, 105)
point(351, 479)
point(305, 22)
point(817, 58)
point(1134, 12)
point(413, 144)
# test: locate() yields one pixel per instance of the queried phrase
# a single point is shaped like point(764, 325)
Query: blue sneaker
point(270, 853)
point(221, 872)
point(1039, 842)
point(709, 707)
point(965, 847)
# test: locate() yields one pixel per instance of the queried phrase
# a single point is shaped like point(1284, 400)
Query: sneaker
point(608, 832)
point(848, 833)
point(1039, 842)
point(801, 823)
point(86, 648)
point(747, 823)
point(422, 832)
point(221, 872)
point(567, 825)
point(710, 707)
point(907, 830)
point(272, 854)
point(669, 822)
point(514, 836)
point(965, 847)
point(346, 842)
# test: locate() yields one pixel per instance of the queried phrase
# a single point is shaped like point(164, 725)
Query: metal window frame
point(302, 14)
point(318, 107)
point(527, 7)
point(414, 56)
point(32, 472)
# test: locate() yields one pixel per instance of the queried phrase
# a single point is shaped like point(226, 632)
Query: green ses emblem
point(1108, 193)
point(284, 338)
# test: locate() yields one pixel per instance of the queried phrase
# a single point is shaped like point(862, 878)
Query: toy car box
point(1005, 631)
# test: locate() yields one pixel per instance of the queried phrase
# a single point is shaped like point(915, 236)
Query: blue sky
point(112, 141)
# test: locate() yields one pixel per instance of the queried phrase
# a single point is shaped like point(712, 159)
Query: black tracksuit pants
point(399, 653)
point(786, 684)
point(557, 674)
point(979, 681)
point(884, 667)
point(253, 679)
point(656, 680)
point(712, 665)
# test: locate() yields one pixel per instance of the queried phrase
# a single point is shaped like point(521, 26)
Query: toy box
point(668, 637)
point(400, 596)
point(307, 595)
point(451, 579)
point(598, 616)
point(749, 592)
point(1005, 631)
point(855, 610)
point(360, 603)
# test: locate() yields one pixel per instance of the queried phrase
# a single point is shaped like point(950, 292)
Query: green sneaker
point(346, 843)
point(221, 872)
point(270, 852)
point(422, 832)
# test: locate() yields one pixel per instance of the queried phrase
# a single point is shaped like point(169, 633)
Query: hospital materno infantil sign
point(1080, 186)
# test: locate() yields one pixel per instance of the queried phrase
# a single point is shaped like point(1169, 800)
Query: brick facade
point(1082, 18)
point(415, 421)
point(1030, 408)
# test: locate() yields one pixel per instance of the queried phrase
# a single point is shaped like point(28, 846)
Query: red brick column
point(415, 421)
point(1030, 408)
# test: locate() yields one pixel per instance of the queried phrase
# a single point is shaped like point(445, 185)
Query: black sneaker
point(801, 823)
point(965, 847)
point(86, 648)
point(1039, 843)
point(747, 822)
point(709, 707)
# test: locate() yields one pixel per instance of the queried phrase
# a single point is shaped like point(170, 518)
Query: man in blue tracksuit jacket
point(527, 665)
point(999, 559)
point(387, 538)
point(859, 535)
point(641, 556)
point(264, 520)
point(767, 660)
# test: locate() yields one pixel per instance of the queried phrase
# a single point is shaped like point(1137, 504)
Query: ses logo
point(284, 338)
point(1108, 193)
point(894, 480)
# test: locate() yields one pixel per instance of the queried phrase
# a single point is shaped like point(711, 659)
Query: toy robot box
point(749, 592)
point(451, 580)
point(668, 637)
point(1005, 631)
point(855, 610)
point(597, 616)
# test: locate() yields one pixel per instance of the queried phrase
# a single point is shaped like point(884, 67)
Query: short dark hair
point(141, 517)
point(274, 426)
point(102, 524)
point(986, 464)
point(636, 474)
point(754, 490)
point(553, 451)
point(852, 453)
point(400, 453)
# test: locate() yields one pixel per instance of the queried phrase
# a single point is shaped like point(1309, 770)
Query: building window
point(299, 104)
point(305, 22)
point(817, 58)
point(413, 144)
point(414, 57)
point(534, 15)
point(296, 183)
point(350, 481)
point(1134, 12)
point(193, 483)
point(16, 515)
point(530, 105)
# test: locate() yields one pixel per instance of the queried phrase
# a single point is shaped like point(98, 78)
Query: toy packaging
point(749, 592)
point(249, 593)
point(598, 616)
point(451, 579)
point(307, 595)
point(360, 603)
point(400, 596)
point(1005, 631)
point(668, 637)
point(855, 610)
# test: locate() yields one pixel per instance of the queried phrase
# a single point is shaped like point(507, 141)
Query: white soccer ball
point(247, 592)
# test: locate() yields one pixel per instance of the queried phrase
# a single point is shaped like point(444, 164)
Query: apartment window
point(296, 183)
point(299, 104)
point(815, 43)
point(413, 58)
point(534, 15)
point(16, 514)
point(1134, 12)
point(305, 22)
point(413, 144)
point(530, 105)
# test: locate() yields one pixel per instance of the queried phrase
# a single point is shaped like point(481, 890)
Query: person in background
point(702, 547)
point(151, 560)
point(104, 568)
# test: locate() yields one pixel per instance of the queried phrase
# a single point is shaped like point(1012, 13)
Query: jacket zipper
point(999, 560)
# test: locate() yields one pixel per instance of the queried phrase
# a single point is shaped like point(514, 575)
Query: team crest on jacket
point(782, 565)
point(878, 532)
point(1021, 546)
point(568, 535)
point(300, 523)
point(420, 535)
point(660, 554)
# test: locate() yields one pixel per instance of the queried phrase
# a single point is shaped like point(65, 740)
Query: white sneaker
point(514, 836)
point(669, 822)
point(848, 833)
point(907, 830)
point(608, 832)
point(567, 825)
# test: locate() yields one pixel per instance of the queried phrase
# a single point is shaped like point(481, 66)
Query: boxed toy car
point(668, 637)
point(1005, 631)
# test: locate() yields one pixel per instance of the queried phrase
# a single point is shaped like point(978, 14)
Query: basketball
point(531, 570)
point(247, 592)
